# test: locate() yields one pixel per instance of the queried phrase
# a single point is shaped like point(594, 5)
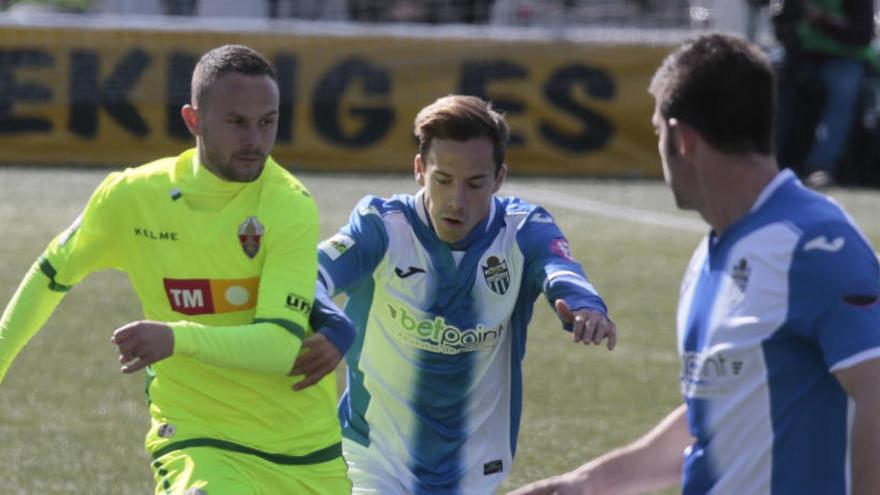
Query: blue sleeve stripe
point(325, 278)
point(49, 271)
point(285, 324)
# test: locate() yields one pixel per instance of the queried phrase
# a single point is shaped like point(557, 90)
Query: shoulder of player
point(282, 184)
point(525, 215)
point(816, 217)
point(832, 255)
point(283, 194)
point(381, 207)
point(801, 208)
point(834, 237)
point(133, 181)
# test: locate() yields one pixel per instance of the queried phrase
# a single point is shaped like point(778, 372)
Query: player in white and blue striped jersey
point(779, 312)
point(441, 287)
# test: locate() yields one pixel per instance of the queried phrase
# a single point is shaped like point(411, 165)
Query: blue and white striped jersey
point(768, 311)
point(434, 377)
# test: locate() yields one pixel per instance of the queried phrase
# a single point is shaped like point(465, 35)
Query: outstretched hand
point(142, 343)
point(588, 326)
point(317, 358)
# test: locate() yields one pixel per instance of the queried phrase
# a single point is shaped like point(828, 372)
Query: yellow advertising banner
point(112, 96)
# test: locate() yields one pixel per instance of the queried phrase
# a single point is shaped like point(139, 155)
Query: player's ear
point(419, 170)
point(499, 177)
point(684, 137)
point(190, 117)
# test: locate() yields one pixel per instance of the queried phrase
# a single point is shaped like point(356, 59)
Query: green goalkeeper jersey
point(232, 267)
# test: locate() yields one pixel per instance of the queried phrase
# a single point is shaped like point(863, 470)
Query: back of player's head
point(723, 87)
point(224, 60)
point(460, 118)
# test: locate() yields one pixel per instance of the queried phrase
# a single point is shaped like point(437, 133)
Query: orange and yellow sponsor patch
point(211, 296)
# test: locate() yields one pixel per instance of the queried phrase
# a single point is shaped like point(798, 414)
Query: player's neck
point(732, 186)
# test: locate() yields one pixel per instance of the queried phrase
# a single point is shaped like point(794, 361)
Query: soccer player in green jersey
point(219, 244)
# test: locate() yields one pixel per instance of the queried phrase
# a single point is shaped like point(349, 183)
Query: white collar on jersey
point(782, 177)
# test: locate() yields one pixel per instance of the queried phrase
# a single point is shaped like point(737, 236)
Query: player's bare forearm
point(866, 449)
point(861, 382)
point(652, 462)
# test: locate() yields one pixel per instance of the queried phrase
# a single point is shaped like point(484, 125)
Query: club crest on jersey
point(740, 274)
point(496, 274)
point(250, 232)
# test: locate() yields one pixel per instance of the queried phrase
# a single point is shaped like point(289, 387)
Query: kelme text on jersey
point(154, 235)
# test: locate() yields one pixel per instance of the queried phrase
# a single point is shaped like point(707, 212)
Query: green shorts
point(213, 471)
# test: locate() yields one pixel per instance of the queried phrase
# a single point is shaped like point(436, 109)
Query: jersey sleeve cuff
point(184, 341)
point(856, 359)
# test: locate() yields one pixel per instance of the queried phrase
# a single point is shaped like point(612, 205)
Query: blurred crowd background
point(824, 50)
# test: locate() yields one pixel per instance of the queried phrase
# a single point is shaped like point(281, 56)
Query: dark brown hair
point(460, 118)
point(723, 87)
point(224, 60)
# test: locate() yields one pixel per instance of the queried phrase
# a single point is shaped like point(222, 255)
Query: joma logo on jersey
point(204, 296)
point(496, 274)
point(436, 336)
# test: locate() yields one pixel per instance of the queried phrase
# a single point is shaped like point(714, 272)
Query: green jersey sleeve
point(27, 312)
point(88, 245)
point(82, 248)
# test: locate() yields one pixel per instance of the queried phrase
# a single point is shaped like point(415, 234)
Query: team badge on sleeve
point(250, 232)
point(560, 248)
point(335, 246)
point(496, 274)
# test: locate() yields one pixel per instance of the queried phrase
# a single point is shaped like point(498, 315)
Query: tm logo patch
point(204, 296)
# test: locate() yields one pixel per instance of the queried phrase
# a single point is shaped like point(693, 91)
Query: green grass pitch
point(71, 423)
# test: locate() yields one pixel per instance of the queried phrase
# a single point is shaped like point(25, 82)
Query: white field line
point(607, 210)
point(610, 210)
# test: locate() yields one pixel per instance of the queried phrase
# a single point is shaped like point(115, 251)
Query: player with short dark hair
point(441, 287)
point(462, 118)
point(219, 244)
point(687, 86)
point(223, 60)
point(778, 317)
